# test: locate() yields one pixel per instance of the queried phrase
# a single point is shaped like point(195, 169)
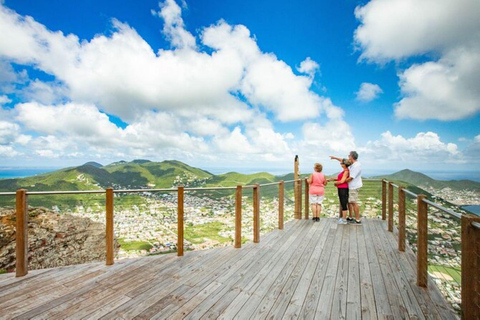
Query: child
point(317, 183)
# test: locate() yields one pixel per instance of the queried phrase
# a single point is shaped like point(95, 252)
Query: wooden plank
point(369, 309)
point(180, 226)
point(410, 303)
point(109, 226)
point(422, 241)
point(297, 284)
point(387, 277)
point(21, 234)
point(339, 303)
point(325, 300)
point(310, 304)
point(247, 278)
point(383, 306)
point(301, 291)
point(390, 207)
point(354, 297)
point(238, 217)
point(278, 287)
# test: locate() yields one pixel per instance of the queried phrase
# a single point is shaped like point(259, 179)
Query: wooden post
point(470, 265)
point(256, 213)
point(180, 221)
point(281, 203)
point(297, 212)
point(300, 199)
point(422, 241)
point(307, 200)
point(21, 234)
point(401, 219)
point(238, 217)
point(109, 225)
point(384, 199)
point(390, 207)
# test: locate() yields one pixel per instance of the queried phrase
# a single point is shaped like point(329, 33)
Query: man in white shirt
point(354, 185)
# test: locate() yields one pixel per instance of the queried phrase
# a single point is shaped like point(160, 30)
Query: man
point(354, 185)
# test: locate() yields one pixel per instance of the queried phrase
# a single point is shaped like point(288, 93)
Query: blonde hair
point(318, 167)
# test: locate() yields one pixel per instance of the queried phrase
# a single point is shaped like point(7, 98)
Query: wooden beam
point(109, 225)
point(180, 226)
point(470, 265)
point(281, 203)
point(422, 241)
point(401, 219)
point(390, 207)
point(256, 213)
point(307, 199)
point(299, 199)
point(384, 199)
point(238, 217)
point(21, 233)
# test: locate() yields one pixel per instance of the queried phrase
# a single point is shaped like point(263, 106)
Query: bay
point(473, 209)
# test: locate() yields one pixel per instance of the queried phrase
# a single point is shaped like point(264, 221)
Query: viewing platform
point(308, 270)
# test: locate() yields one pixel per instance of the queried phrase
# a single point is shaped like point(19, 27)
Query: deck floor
point(307, 271)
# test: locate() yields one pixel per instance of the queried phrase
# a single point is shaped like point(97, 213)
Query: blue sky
point(241, 84)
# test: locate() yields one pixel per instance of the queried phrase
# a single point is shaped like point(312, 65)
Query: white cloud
point(8, 152)
point(368, 92)
point(309, 67)
point(425, 148)
point(444, 88)
point(4, 99)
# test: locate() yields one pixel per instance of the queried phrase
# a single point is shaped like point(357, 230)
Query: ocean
point(473, 209)
point(18, 172)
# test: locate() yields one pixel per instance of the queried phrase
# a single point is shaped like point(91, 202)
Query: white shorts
point(316, 199)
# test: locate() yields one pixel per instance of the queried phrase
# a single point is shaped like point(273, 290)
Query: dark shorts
point(343, 196)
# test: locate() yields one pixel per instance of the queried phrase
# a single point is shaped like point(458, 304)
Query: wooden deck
point(307, 271)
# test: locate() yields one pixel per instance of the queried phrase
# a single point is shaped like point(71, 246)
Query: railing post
point(390, 207)
point(297, 214)
point(384, 199)
point(470, 268)
point(422, 241)
point(21, 233)
point(109, 225)
point(401, 219)
point(238, 217)
point(300, 199)
point(180, 191)
point(307, 200)
point(256, 213)
point(281, 203)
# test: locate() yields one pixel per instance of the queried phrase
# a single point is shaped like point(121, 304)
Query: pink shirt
point(317, 187)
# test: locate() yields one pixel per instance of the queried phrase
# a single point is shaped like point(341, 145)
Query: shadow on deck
point(309, 270)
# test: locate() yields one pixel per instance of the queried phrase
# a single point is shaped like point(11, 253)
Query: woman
point(317, 183)
point(342, 186)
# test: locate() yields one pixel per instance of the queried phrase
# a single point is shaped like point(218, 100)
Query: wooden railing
point(22, 196)
point(470, 243)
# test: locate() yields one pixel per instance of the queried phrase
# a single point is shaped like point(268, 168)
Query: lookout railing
point(416, 231)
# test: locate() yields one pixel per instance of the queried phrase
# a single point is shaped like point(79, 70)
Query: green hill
point(422, 180)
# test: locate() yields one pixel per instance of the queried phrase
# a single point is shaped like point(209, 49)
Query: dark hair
point(354, 155)
point(346, 162)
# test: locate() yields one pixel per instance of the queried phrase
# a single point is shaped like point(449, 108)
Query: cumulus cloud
point(443, 88)
point(309, 67)
point(424, 147)
point(368, 92)
point(4, 99)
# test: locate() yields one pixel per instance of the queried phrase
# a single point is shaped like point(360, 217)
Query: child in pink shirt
point(317, 183)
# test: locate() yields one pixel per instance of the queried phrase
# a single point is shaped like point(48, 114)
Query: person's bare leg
point(319, 210)
point(313, 207)
point(356, 208)
point(344, 214)
point(350, 209)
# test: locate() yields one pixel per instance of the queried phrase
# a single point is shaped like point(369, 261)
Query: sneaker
point(356, 222)
point(342, 221)
point(350, 219)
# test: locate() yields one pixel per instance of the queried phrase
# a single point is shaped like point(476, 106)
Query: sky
point(241, 85)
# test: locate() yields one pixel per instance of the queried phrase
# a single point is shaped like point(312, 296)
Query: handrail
point(433, 204)
point(410, 193)
point(144, 190)
point(7, 193)
point(37, 193)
